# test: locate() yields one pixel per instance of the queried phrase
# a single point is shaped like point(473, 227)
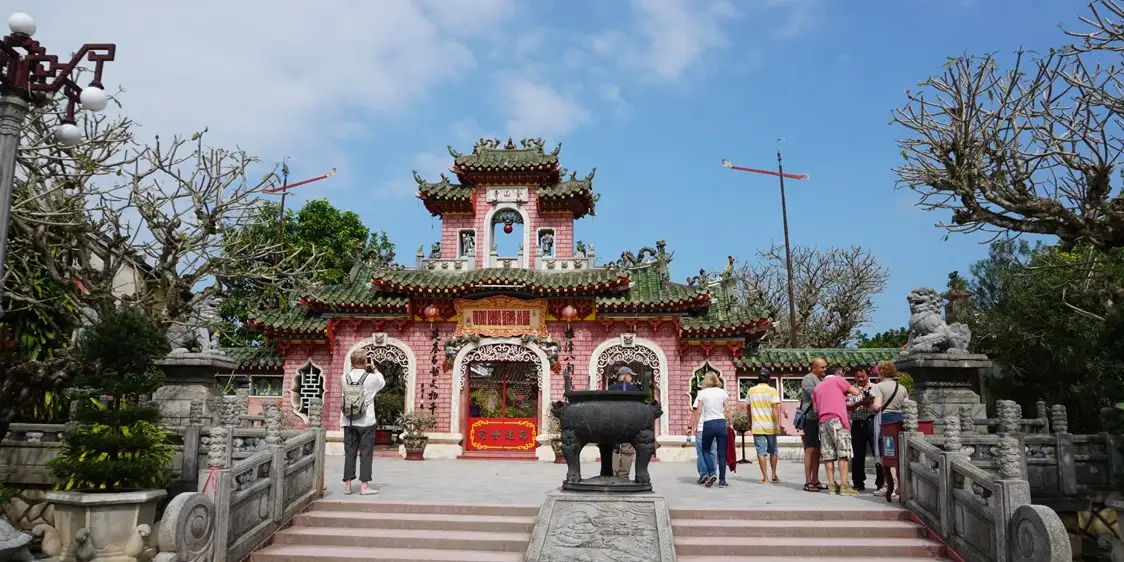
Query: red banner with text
point(502, 434)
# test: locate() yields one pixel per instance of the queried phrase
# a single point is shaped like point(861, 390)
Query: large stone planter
point(607, 418)
point(415, 448)
point(109, 520)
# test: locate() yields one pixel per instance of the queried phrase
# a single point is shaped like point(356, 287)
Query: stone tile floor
point(527, 483)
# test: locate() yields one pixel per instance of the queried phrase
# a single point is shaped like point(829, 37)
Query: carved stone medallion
point(574, 527)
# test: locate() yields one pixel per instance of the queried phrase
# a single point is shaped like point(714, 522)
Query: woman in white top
point(358, 421)
point(711, 410)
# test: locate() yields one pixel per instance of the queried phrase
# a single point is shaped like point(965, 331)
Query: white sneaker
point(880, 492)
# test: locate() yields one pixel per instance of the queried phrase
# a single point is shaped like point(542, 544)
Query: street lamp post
point(792, 339)
point(28, 74)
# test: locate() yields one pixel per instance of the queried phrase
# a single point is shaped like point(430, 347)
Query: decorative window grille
point(700, 375)
point(309, 384)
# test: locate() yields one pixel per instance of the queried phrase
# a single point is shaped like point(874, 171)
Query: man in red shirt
point(830, 400)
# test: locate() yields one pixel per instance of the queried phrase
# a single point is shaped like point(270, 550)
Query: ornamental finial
point(510, 144)
point(592, 173)
point(418, 178)
point(557, 150)
point(453, 152)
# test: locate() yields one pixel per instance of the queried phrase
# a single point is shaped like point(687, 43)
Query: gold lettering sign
point(501, 317)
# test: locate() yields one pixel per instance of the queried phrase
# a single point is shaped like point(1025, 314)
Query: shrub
point(120, 443)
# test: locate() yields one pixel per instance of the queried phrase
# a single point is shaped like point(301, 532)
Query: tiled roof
point(490, 155)
point(292, 321)
point(649, 291)
point(356, 296)
point(724, 317)
point(266, 357)
point(575, 195)
point(414, 282)
point(444, 196)
point(800, 359)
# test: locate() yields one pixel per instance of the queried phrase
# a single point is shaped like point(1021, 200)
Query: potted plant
point(110, 473)
point(556, 440)
point(388, 407)
point(740, 423)
point(414, 438)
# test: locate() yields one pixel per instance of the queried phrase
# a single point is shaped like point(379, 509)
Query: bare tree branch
point(834, 291)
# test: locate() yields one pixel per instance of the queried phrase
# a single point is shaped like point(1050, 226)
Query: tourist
point(357, 420)
point(889, 401)
point(765, 417)
point(711, 408)
point(830, 400)
point(624, 454)
point(862, 430)
point(808, 422)
point(700, 462)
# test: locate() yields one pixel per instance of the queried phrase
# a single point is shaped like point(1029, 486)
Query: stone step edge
point(375, 506)
point(349, 553)
point(433, 517)
point(807, 541)
point(440, 534)
point(800, 523)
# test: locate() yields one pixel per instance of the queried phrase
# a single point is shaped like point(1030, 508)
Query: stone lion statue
point(928, 332)
point(196, 329)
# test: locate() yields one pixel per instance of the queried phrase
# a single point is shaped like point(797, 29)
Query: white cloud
point(538, 110)
point(278, 77)
point(428, 165)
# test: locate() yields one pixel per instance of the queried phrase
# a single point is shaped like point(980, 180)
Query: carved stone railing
point(238, 508)
point(578, 263)
point(447, 265)
point(982, 516)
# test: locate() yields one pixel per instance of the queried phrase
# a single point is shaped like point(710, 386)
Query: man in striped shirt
point(765, 416)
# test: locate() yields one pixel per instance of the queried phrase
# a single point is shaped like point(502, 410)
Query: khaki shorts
point(835, 442)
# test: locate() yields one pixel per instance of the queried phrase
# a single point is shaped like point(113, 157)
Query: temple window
point(699, 377)
point(309, 384)
point(546, 242)
point(266, 386)
point(791, 389)
point(466, 243)
point(746, 382)
point(507, 233)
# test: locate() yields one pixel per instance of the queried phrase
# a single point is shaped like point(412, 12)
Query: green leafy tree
point(890, 338)
point(320, 238)
point(1031, 311)
point(119, 443)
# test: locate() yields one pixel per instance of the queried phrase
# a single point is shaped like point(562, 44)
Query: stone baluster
point(272, 412)
point(1043, 414)
point(218, 448)
point(195, 413)
point(230, 411)
point(952, 434)
point(1058, 419)
point(910, 421)
point(967, 420)
point(243, 396)
point(216, 408)
point(1010, 457)
point(1010, 416)
point(315, 412)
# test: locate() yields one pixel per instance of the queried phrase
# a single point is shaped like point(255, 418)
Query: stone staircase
point(781, 535)
point(349, 530)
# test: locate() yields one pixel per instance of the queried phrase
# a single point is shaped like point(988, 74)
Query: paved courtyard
point(521, 482)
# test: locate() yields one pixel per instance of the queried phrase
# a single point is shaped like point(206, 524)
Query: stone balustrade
point(982, 515)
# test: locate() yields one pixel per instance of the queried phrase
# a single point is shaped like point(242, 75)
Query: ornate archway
point(381, 348)
point(489, 234)
point(505, 349)
point(629, 348)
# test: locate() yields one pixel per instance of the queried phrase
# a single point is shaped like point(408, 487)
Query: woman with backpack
point(357, 420)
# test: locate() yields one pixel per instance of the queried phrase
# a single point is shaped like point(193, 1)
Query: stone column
point(243, 396)
point(967, 420)
point(942, 383)
point(315, 412)
point(952, 434)
point(1058, 419)
point(230, 413)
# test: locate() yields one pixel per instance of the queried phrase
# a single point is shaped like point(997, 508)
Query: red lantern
point(569, 312)
point(431, 313)
point(507, 228)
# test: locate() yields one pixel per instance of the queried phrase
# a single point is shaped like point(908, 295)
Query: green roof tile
point(358, 295)
point(490, 155)
point(443, 190)
point(289, 321)
point(416, 282)
point(570, 188)
point(800, 359)
point(648, 290)
point(266, 357)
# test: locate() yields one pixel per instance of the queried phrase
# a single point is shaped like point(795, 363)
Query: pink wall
point(587, 337)
point(562, 223)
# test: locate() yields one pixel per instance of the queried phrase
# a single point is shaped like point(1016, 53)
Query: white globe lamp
point(22, 23)
point(68, 134)
point(94, 98)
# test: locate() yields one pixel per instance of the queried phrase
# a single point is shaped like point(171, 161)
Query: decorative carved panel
point(496, 352)
point(308, 384)
point(634, 354)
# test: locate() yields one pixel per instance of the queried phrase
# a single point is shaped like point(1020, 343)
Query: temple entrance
point(502, 399)
point(643, 361)
point(390, 402)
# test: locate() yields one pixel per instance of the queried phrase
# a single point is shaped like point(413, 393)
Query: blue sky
point(652, 93)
